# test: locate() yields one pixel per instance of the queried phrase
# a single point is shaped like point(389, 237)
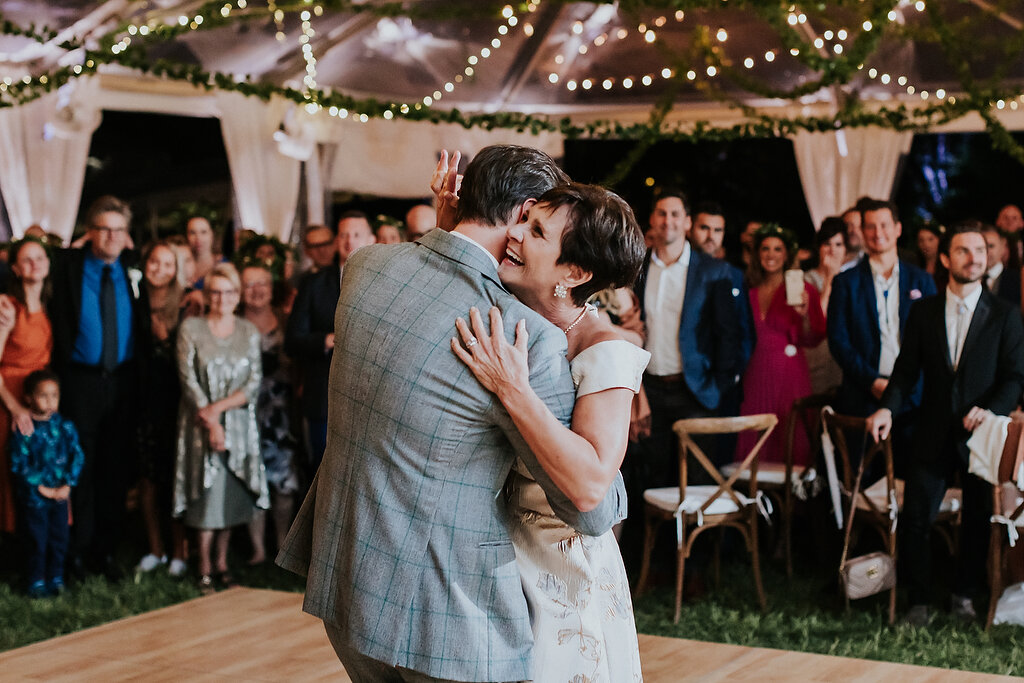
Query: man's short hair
point(962, 228)
point(317, 226)
point(601, 236)
point(667, 191)
point(500, 178)
point(865, 204)
point(708, 207)
point(352, 213)
point(107, 204)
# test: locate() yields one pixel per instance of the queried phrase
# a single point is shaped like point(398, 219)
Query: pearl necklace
point(586, 309)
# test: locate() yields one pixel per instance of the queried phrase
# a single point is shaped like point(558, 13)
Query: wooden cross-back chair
point(709, 506)
point(778, 479)
point(1005, 545)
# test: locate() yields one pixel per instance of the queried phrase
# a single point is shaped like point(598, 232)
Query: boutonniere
point(915, 294)
point(135, 276)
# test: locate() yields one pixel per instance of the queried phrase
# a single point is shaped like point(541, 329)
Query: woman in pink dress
point(777, 373)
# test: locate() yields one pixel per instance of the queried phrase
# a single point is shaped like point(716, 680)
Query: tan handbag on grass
point(867, 574)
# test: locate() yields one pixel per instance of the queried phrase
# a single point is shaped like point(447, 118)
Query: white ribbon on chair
point(828, 449)
point(1011, 528)
point(894, 511)
point(764, 506)
point(689, 506)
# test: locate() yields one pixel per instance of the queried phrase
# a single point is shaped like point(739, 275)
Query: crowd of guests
point(197, 380)
point(752, 331)
point(205, 381)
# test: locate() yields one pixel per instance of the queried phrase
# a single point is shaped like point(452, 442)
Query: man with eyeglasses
point(320, 247)
point(100, 323)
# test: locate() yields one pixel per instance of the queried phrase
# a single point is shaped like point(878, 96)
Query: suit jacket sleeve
point(300, 339)
point(550, 380)
point(907, 371)
point(1010, 372)
point(840, 327)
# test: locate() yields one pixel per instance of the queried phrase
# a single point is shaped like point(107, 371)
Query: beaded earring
point(561, 291)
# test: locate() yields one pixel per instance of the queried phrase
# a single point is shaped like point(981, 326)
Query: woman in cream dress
point(579, 239)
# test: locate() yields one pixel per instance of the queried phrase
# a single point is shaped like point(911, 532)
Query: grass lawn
point(803, 615)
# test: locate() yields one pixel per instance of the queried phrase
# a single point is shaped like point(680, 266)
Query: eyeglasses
point(256, 285)
point(220, 293)
point(109, 230)
point(319, 245)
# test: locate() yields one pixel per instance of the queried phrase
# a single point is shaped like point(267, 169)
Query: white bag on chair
point(1010, 608)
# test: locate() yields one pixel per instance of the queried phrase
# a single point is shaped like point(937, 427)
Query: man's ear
point(523, 212)
point(944, 259)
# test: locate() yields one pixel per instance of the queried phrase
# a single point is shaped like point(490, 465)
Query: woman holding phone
point(787, 319)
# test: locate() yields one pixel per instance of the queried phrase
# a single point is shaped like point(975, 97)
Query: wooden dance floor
point(258, 635)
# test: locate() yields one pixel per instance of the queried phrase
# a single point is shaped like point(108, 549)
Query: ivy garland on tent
point(962, 40)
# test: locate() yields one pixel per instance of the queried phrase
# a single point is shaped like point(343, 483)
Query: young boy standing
point(46, 465)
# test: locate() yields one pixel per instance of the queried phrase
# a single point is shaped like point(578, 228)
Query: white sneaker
point(150, 562)
point(177, 568)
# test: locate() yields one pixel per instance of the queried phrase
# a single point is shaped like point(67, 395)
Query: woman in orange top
point(25, 344)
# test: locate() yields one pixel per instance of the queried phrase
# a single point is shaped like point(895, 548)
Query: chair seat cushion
point(767, 473)
point(951, 502)
point(667, 499)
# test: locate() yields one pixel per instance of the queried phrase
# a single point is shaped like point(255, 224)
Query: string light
point(508, 14)
point(305, 41)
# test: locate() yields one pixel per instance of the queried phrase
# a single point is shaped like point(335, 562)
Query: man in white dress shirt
point(694, 335)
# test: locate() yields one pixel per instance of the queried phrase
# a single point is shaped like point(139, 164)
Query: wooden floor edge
point(223, 637)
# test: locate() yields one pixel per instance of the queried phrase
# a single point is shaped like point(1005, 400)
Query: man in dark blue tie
point(100, 322)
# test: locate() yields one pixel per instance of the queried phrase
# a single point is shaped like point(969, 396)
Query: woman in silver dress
point(219, 477)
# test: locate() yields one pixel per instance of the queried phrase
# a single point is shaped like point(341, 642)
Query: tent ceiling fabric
point(592, 62)
point(548, 50)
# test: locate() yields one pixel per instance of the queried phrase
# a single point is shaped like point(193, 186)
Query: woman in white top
point(579, 240)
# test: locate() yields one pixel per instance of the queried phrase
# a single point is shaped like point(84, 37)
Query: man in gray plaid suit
point(403, 536)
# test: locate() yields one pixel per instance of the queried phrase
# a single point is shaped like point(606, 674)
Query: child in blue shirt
point(46, 465)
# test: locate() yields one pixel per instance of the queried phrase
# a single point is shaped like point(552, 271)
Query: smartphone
point(794, 287)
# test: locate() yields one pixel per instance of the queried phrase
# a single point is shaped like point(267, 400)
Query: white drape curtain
point(44, 146)
point(836, 168)
point(266, 183)
point(396, 158)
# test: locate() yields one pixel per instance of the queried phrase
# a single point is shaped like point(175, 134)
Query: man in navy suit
point(1001, 280)
point(708, 234)
point(694, 334)
point(309, 337)
point(691, 310)
point(868, 310)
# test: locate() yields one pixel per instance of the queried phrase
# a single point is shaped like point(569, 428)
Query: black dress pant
point(103, 407)
point(926, 484)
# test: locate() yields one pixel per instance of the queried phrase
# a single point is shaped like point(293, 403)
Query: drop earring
point(561, 291)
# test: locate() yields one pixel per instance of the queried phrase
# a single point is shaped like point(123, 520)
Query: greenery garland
point(839, 72)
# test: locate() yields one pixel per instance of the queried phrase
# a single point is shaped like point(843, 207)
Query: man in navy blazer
point(692, 314)
point(309, 337)
point(868, 311)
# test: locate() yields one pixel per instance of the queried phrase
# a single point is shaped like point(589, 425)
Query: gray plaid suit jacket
point(403, 535)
